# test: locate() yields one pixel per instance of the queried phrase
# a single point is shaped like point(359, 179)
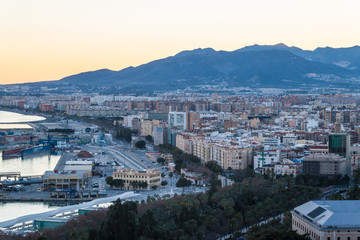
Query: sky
point(44, 40)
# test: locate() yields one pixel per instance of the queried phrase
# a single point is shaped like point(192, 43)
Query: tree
point(120, 222)
point(190, 226)
point(354, 192)
point(214, 167)
point(119, 183)
point(134, 184)
point(143, 184)
point(183, 182)
point(164, 183)
point(171, 174)
point(161, 160)
point(148, 225)
point(109, 180)
point(179, 164)
point(124, 134)
point(140, 144)
point(149, 138)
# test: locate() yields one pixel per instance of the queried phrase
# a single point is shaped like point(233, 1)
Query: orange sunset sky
point(50, 39)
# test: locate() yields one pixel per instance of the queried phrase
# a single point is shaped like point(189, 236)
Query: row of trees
point(319, 181)
point(275, 230)
point(353, 193)
point(119, 183)
point(123, 133)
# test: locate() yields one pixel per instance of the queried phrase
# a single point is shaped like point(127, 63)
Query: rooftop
point(332, 214)
point(324, 157)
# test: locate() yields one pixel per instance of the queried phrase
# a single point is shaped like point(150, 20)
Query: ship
point(12, 153)
point(35, 150)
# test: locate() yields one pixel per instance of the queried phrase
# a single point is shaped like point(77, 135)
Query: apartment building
point(265, 158)
point(287, 167)
point(324, 165)
point(150, 176)
point(178, 119)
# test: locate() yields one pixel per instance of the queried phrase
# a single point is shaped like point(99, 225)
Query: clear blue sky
point(50, 39)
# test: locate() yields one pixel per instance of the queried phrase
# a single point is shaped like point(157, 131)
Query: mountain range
point(252, 66)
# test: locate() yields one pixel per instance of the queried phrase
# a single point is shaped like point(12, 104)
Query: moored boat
point(35, 150)
point(12, 153)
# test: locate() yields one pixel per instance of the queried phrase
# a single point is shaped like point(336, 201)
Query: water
point(11, 117)
point(11, 210)
point(34, 165)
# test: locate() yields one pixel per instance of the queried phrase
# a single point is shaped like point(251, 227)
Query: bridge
point(26, 222)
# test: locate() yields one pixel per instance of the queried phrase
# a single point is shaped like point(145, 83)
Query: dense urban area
point(208, 165)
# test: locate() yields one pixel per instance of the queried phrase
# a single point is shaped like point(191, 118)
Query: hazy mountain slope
point(345, 57)
point(207, 66)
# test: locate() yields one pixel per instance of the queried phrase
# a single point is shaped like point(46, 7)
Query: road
point(113, 154)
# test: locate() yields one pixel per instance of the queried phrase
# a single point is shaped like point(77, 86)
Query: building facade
point(339, 143)
point(130, 177)
point(324, 165)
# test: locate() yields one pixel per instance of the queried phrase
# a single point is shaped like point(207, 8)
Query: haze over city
point(48, 40)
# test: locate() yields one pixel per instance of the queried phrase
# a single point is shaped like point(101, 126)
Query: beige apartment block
point(202, 150)
point(146, 127)
point(149, 176)
point(231, 157)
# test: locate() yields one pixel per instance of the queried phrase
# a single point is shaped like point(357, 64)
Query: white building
point(286, 167)
point(265, 158)
point(271, 141)
point(178, 119)
point(128, 120)
point(74, 166)
point(289, 139)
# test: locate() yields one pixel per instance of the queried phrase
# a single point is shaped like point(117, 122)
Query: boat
point(12, 153)
point(35, 150)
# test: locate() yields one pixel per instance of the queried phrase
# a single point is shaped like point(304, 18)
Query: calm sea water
point(11, 117)
point(34, 165)
point(11, 210)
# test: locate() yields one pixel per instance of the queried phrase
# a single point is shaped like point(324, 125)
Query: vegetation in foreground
point(202, 216)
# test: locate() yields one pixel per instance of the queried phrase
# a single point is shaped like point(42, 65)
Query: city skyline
point(45, 40)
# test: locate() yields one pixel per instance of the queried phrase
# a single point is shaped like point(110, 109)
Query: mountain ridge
point(252, 66)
